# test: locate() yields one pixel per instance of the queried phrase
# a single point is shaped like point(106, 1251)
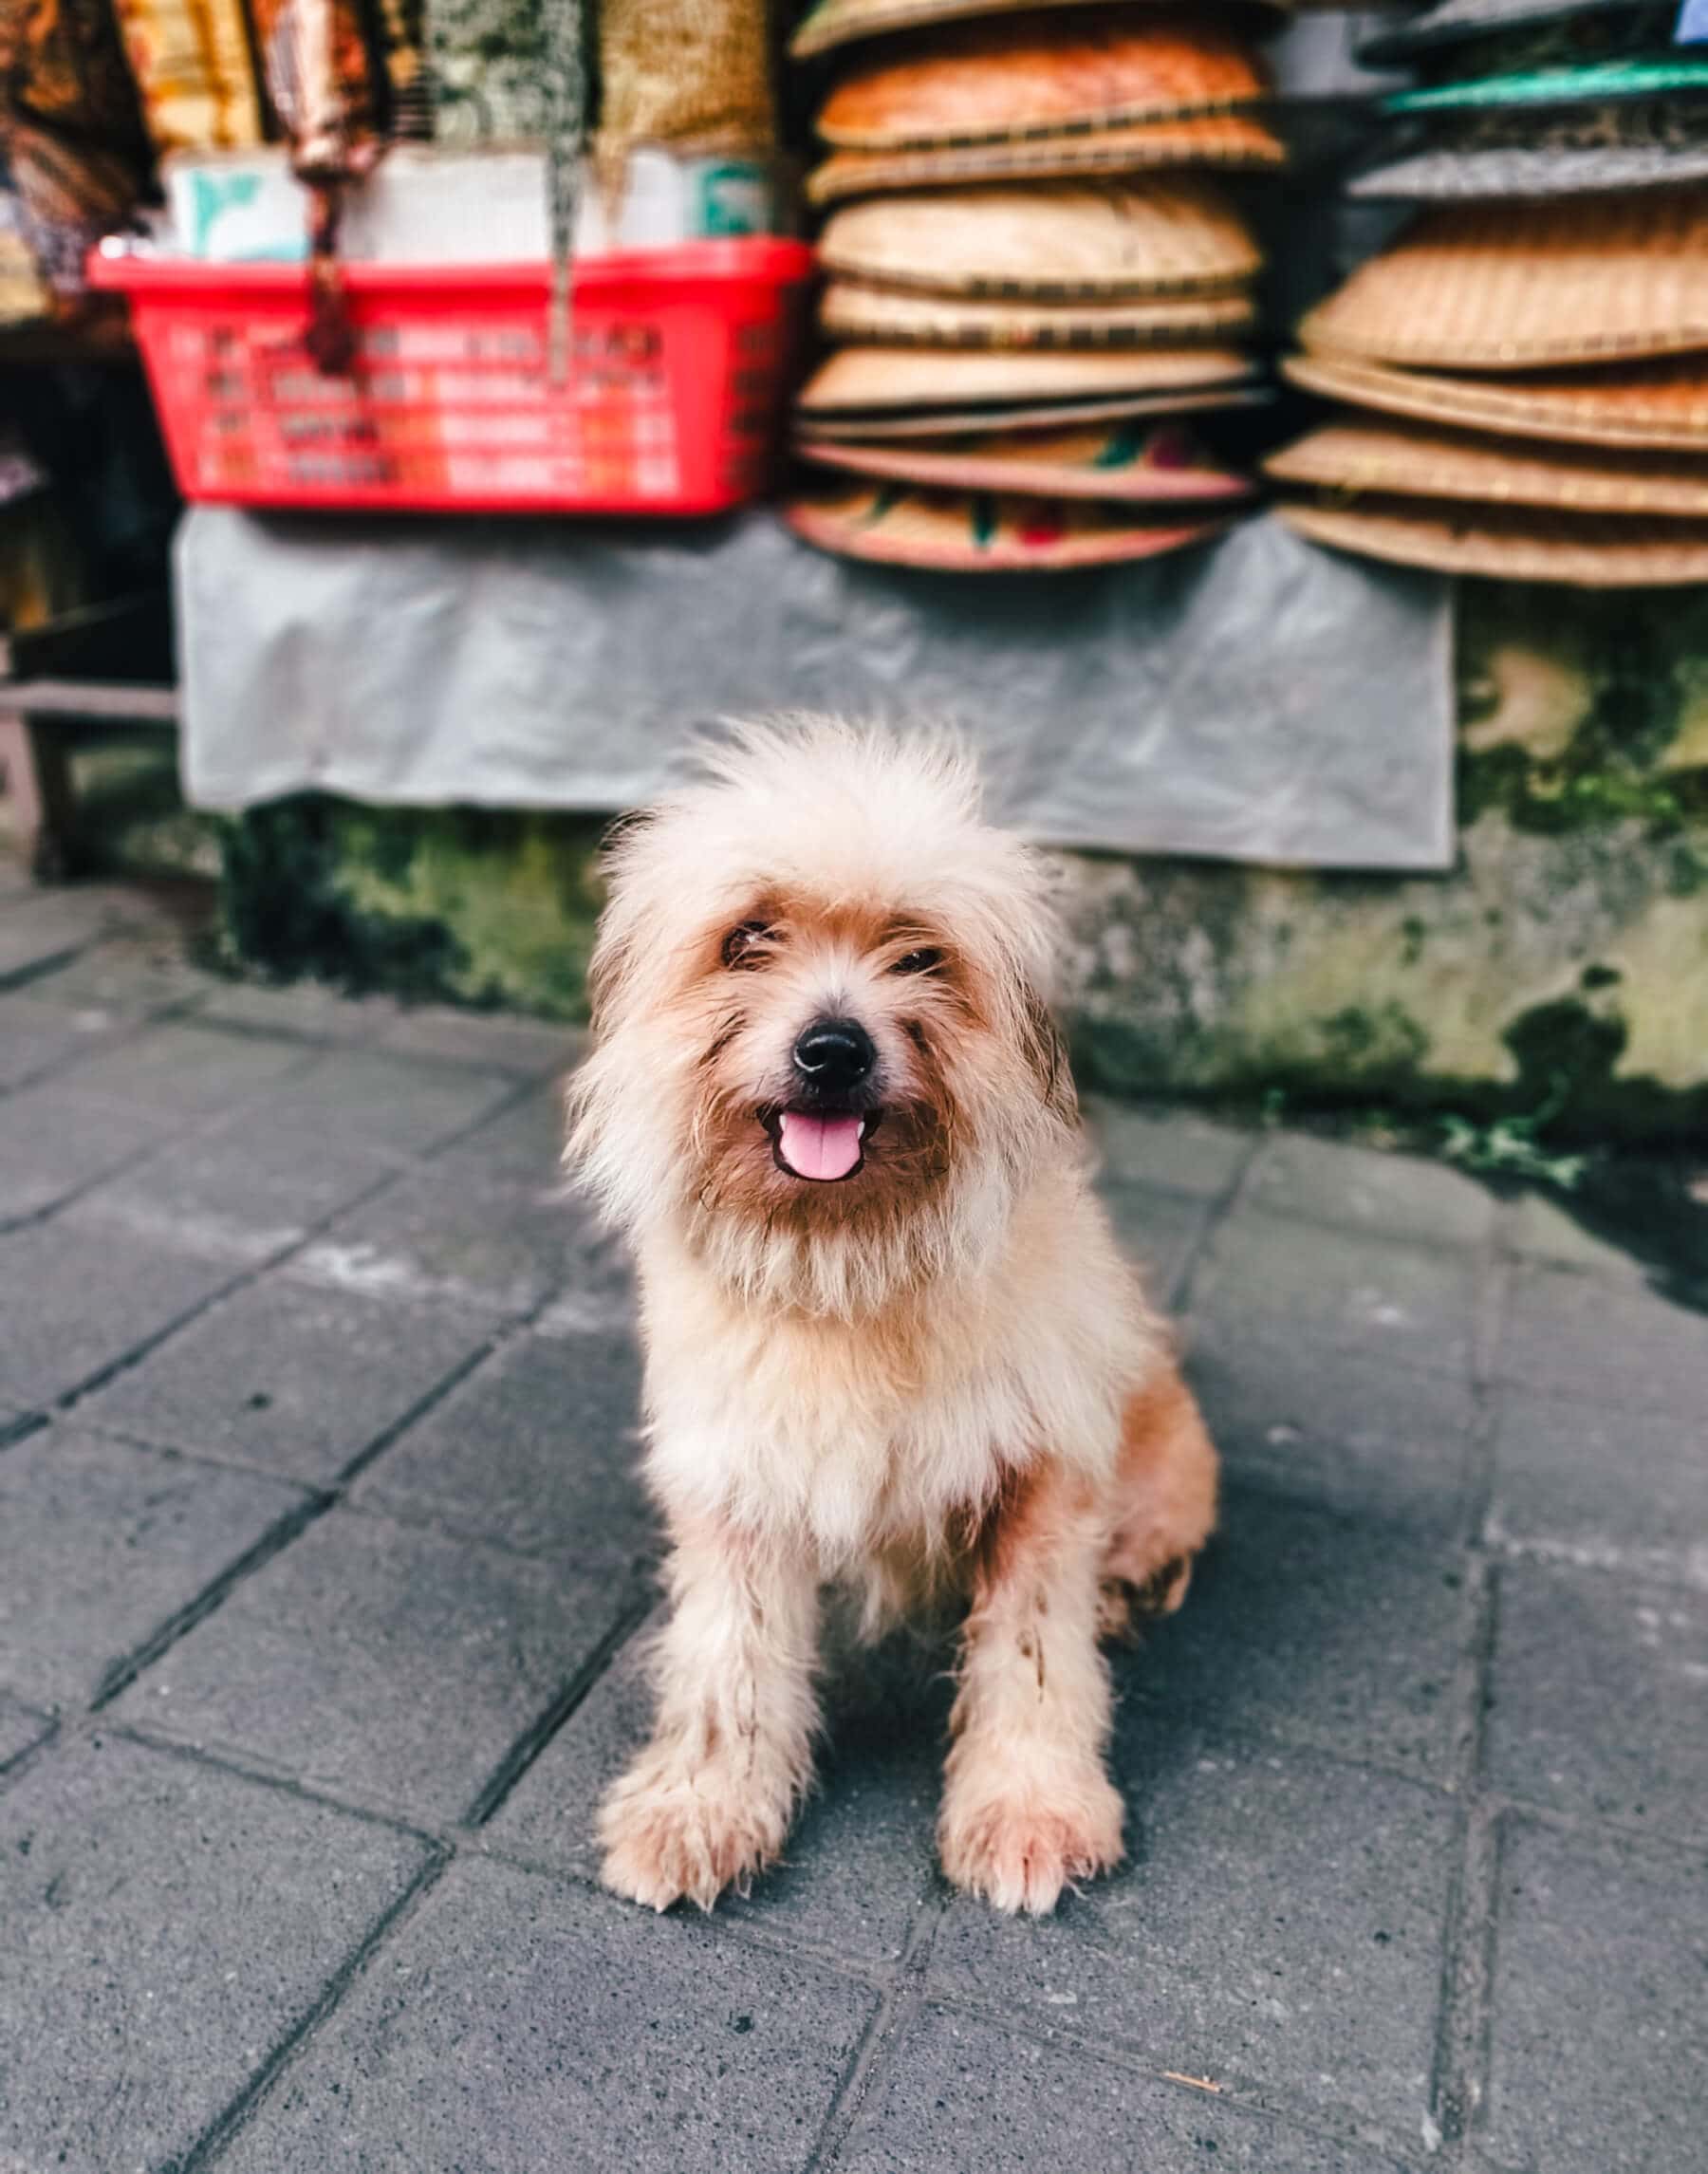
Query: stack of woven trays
point(1527, 365)
point(1032, 280)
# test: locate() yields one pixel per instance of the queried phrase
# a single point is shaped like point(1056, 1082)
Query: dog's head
point(820, 1044)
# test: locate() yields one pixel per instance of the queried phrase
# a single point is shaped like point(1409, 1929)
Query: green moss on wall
point(1562, 965)
point(466, 905)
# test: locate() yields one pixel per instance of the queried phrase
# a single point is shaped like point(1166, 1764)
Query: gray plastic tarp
point(1259, 701)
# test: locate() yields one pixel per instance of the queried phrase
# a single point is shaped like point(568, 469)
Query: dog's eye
point(746, 945)
point(920, 962)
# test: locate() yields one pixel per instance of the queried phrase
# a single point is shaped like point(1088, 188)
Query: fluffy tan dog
point(890, 1342)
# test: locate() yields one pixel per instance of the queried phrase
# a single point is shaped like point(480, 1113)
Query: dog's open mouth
point(822, 1144)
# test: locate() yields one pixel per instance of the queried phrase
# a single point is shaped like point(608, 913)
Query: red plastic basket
point(679, 361)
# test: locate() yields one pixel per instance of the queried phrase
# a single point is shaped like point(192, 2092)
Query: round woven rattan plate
point(919, 376)
point(1512, 287)
point(1656, 404)
point(976, 531)
point(834, 22)
point(1230, 143)
point(1584, 551)
point(893, 425)
point(1413, 460)
point(850, 311)
point(1141, 462)
point(1019, 77)
point(1056, 241)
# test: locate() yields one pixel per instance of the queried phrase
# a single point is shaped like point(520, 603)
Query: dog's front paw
point(672, 1834)
point(1019, 1848)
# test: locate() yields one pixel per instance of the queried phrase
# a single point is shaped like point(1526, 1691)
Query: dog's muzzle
point(822, 1134)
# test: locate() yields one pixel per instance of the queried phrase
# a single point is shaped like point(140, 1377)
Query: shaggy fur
point(935, 1376)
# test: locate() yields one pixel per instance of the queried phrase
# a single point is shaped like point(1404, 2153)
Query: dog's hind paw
point(1019, 1851)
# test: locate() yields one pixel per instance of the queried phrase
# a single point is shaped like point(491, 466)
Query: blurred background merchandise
point(1090, 278)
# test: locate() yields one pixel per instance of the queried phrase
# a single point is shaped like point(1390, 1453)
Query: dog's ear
point(1047, 1053)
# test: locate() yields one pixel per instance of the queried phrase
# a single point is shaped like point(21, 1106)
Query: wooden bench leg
point(36, 759)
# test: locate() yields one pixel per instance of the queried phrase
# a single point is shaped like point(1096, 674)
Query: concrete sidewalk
point(321, 1570)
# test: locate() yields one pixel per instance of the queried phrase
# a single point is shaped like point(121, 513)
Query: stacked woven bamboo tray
point(1524, 372)
point(1035, 281)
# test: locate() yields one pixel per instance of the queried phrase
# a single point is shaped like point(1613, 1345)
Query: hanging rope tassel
point(562, 38)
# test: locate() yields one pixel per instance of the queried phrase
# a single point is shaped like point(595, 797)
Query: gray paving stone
point(132, 972)
point(401, 1104)
point(296, 1381)
point(1575, 1336)
point(1279, 1926)
point(185, 1071)
point(528, 1047)
point(1274, 1277)
point(1161, 1231)
point(75, 1299)
point(161, 1926)
point(1349, 1429)
point(1392, 1197)
point(1173, 1150)
point(36, 1035)
point(1595, 2065)
point(862, 1858)
point(445, 1235)
point(1620, 1489)
point(101, 1542)
point(45, 926)
point(244, 1192)
point(521, 1147)
point(309, 1009)
point(1599, 1686)
point(381, 1662)
point(1304, 1627)
point(21, 1727)
point(515, 2024)
point(958, 2095)
point(549, 1815)
point(1539, 1229)
point(539, 1447)
point(54, 1141)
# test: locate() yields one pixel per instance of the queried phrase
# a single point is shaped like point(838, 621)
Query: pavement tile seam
point(73, 1194)
point(203, 1126)
point(211, 2144)
point(1218, 1210)
point(380, 1509)
point(316, 1503)
point(1219, 1735)
point(159, 1642)
point(376, 1043)
point(1462, 2021)
point(152, 1738)
point(504, 1778)
point(1249, 2094)
point(899, 2002)
point(253, 1270)
point(40, 969)
point(461, 1838)
point(397, 1510)
point(1294, 1210)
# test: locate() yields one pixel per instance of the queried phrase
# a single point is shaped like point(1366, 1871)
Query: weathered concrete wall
point(1563, 964)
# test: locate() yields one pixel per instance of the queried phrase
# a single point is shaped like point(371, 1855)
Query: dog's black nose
point(834, 1055)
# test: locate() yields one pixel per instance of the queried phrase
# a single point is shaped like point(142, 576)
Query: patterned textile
point(73, 153)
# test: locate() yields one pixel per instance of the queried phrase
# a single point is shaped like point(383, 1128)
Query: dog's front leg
point(709, 1802)
point(1028, 1806)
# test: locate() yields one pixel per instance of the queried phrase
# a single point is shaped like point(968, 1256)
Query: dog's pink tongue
point(820, 1146)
